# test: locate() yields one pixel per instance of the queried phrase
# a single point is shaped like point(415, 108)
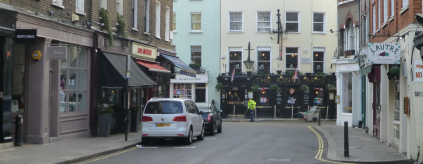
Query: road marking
point(186, 147)
point(209, 138)
point(124, 151)
point(321, 148)
point(277, 160)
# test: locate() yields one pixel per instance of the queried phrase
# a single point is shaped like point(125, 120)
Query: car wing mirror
point(220, 111)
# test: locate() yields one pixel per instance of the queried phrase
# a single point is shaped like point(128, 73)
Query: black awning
point(185, 69)
point(112, 68)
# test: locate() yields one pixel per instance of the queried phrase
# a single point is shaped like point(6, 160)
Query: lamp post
point(279, 32)
point(249, 63)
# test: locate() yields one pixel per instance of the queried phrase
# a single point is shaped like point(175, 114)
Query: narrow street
point(240, 142)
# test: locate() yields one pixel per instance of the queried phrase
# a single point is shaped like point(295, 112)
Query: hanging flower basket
point(274, 87)
point(219, 86)
point(255, 88)
point(304, 89)
point(330, 86)
point(395, 71)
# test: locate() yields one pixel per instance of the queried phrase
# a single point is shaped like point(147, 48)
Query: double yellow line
point(321, 148)
point(120, 152)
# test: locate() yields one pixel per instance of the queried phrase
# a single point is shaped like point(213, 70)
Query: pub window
point(200, 92)
point(235, 60)
point(181, 90)
point(292, 21)
point(196, 54)
point(263, 21)
point(291, 58)
point(318, 60)
point(263, 59)
point(263, 96)
point(73, 81)
point(347, 93)
point(318, 95)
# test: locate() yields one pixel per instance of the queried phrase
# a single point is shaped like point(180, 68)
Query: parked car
point(172, 118)
point(211, 116)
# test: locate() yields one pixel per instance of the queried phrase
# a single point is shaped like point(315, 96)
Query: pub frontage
point(278, 95)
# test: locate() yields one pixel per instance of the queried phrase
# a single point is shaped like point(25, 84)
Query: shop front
point(278, 96)
point(116, 81)
point(194, 88)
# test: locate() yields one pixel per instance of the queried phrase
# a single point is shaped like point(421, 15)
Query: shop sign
point(383, 53)
point(188, 79)
point(58, 52)
point(143, 52)
point(26, 36)
point(418, 71)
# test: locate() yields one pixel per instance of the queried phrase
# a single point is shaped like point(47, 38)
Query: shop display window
point(182, 91)
point(73, 81)
point(318, 95)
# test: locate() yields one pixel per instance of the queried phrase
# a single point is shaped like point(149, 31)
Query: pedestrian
point(251, 107)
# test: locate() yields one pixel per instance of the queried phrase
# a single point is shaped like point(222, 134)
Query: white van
point(172, 118)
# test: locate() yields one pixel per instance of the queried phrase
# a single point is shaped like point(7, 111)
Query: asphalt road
point(272, 142)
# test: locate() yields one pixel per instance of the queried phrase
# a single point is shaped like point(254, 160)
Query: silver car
point(172, 118)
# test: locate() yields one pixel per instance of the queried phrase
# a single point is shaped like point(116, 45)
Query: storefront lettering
point(385, 47)
point(185, 78)
point(144, 51)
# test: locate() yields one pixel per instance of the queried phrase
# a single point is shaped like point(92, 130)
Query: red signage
point(145, 51)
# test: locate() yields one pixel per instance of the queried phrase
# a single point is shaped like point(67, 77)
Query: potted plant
point(304, 89)
point(219, 86)
point(194, 65)
point(255, 88)
point(274, 87)
point(279, 72)
point(320, 74)
point(104, 121)
point(135, 118)
point(105, 20)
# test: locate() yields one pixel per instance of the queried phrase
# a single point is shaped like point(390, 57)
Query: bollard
point(18, 130)
point(346, 144)
point(318, 118)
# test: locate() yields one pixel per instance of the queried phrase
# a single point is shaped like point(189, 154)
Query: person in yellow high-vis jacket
point(251, 107)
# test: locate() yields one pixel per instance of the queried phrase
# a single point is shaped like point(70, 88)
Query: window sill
point(134, 29)
point(236, 32)
point(384, 24)
point(294, 32)
point(146, 33)
point(58, 5)
point(80, 13)
point(403, 10)
point(391, 19)
point(318, 32)
point(158, 37)
point(175, 32)
point(167, 40)
point(196, 32)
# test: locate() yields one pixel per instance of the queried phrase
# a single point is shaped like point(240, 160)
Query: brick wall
point(402, 18)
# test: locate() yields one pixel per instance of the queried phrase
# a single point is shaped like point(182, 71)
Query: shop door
point(376, 110)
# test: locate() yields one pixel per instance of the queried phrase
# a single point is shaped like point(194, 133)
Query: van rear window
point(166, 107)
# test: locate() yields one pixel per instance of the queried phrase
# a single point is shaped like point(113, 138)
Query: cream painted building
point(241, 24)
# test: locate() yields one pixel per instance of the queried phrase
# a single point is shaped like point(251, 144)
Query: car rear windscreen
point(204, 108)
point(166, 107)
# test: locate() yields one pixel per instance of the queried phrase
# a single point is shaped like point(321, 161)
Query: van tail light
point(209, 118)
point(180, 118)
point(146, 119)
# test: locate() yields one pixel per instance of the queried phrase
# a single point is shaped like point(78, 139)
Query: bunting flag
point(233, 74)
point(296, 75)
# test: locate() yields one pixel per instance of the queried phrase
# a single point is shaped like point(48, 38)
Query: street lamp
point(248, 63)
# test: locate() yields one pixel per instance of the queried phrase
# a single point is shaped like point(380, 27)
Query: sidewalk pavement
point(363, 147)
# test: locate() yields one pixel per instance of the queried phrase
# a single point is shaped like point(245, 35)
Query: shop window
point(347, 93)
point(263, 56)
point(18, 85)
point(318, 95)
point(235, 59)
point(200, 92)
point(73, 81)
point(318, 60)
point(182, 91)
point(291, 58)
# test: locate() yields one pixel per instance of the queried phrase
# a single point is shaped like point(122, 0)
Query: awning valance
point(152, 66)
point(185, 69)
point(112, 68)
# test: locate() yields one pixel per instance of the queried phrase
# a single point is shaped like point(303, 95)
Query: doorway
point(376, 110)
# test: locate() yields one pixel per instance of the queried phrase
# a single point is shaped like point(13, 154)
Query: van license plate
point(162, 125)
